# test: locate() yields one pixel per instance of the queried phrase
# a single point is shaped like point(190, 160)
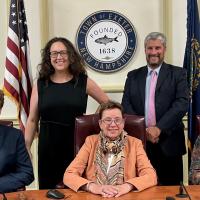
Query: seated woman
point(15, 165)
point(111, 163)
point(194, 173)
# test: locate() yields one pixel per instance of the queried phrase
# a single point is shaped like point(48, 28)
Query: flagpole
point(19, 55)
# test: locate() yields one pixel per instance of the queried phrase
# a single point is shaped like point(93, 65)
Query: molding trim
point(8, 13)
point(113, 88)
point(8, 6)
point(44, 21)
point(167, 27)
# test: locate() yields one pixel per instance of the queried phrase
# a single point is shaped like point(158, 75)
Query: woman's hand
point(124, 189)
point(110, 190)
point(104, 190)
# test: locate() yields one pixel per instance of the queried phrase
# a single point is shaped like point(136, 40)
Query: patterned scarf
point(115, 175)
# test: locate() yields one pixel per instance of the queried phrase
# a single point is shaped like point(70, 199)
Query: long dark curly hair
point(76, 66)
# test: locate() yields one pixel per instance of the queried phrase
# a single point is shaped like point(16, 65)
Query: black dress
point(59, 104)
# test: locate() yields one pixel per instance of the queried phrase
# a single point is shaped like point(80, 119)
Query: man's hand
point(153, 134)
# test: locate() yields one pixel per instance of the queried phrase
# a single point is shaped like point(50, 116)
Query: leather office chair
point(198, 124)
point(6, 122)
point(88, 124)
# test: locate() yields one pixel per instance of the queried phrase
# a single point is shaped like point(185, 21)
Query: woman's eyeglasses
point(54, 54)
point(109, 121)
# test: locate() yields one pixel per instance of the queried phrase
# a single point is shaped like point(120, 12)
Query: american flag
point(18, 77)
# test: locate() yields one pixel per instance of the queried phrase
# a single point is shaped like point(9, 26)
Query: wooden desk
point(154, 193)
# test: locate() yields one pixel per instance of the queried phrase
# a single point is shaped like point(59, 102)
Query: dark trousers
point(169, 168)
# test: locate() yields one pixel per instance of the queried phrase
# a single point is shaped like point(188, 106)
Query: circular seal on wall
point(106, 40)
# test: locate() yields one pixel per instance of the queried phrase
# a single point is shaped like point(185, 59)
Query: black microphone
point(170, 198)
point(181, 194)
point(186, 191)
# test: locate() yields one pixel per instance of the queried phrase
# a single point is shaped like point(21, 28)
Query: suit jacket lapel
point(142, 83)
point(162, 75)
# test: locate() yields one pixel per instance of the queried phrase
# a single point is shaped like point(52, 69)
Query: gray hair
point(156, 36)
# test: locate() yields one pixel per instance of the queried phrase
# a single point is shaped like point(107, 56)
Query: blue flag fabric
point(192, 64)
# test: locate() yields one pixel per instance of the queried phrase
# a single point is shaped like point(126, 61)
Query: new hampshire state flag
point(192, 64)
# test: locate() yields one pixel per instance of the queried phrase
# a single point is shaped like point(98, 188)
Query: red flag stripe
point(12, 69)
point(12, 45)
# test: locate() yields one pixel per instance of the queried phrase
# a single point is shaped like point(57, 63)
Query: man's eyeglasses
point(54, 54)
point(109, 121)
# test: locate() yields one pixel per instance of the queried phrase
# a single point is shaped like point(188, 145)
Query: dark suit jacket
point(171, 104)
point(15, 165)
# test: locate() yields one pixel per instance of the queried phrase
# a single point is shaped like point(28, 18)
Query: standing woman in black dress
point(58, 97)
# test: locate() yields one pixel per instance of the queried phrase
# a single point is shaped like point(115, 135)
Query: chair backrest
point(6, 122)
point(88, 124)
point(198, 124)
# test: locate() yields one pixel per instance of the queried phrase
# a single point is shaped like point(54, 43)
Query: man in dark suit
point(165, 133)
point(15, 165)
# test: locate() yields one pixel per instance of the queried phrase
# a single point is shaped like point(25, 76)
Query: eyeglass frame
point(122, 120)
point(62, 53)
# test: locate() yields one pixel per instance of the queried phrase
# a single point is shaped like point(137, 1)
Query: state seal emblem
point(106, 40)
